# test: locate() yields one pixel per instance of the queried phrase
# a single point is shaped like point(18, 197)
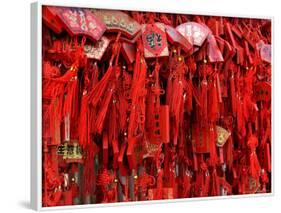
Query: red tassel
point(113, 129)
point(229, 152)
point(213, 102)
point(218, 84)
point(99, 89)
point(103, 110)
point(204, 100)
point(202, 180)
point(89, 176)
point(69, 75)
point(55, 119)
point(240, 120)
point(121, 108)
point(189, 95)
point(169, 90)
point(215, 187)
point(67, 197)
point(83, 122)
point(233, 95)
point(177, 101)
point(138, 95)
point(254, 163)
point(149, 109)
point(213, 151)
point(71, 105)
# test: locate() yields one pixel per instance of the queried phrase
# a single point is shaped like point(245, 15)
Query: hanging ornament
point(50, 18)
point(222, 136)
point(81, 22)
point(118, 21)
point(154, 40)
point(175, 38)
point(194, 32)
point(97, 50)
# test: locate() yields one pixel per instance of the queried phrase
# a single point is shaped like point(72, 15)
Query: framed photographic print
point(146, 106)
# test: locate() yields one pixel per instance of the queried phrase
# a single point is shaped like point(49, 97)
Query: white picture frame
point(36, 98)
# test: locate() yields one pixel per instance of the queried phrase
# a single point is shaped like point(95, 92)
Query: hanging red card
point(222, 136)
point(129, 52)
point(262, 91)
point(154, 40)
point(164, 124)
point(159, 132)
point(175, 37)
point(50, 18)
point(214, 52)
point(265, 52)
point(118, 21)
point(82, 22)
point(96, 50)
point(200, 139)
point(195, 33)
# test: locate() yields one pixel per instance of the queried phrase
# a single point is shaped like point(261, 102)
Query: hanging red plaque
point(164, 124)
point(200, 139)
point(154, 40)
point(129, 52)
point(175, 37)
point(82, 22)
point(50, 18)
point(262, 91)
point(118, 21)
point(265, 52)
point(97, 50)
point(214, 52)
point(222, 136)
point(195, 33)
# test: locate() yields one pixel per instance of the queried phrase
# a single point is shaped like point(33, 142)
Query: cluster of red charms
point(147, 106)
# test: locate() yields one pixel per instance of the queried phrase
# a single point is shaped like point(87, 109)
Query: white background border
point(15, 96)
